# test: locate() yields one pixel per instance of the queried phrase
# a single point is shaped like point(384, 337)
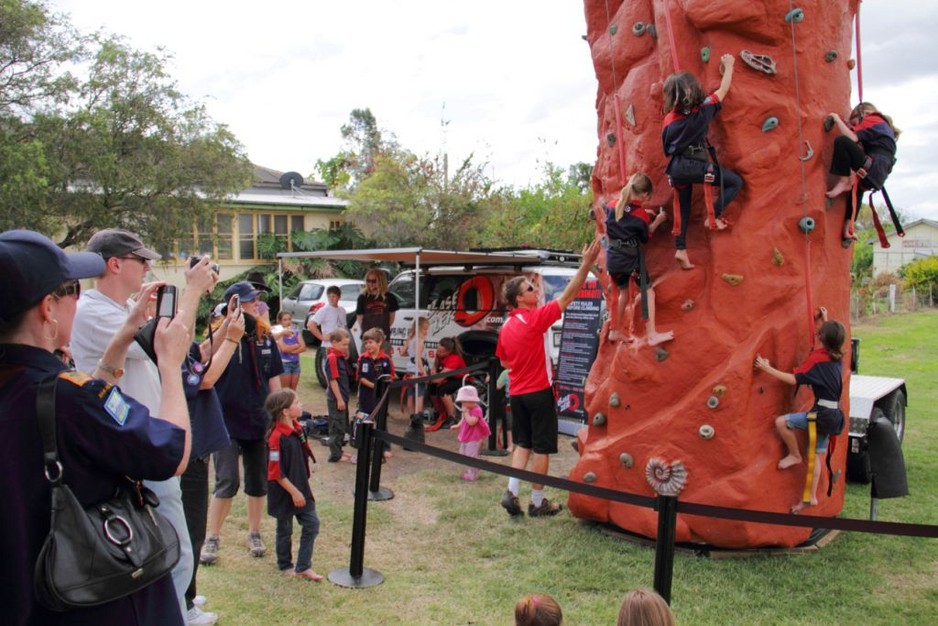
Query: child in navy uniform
point(372, 365)
point(823, 370)
point(629, 226)
point(337, 393)
point(288, 493)
point(684, 139)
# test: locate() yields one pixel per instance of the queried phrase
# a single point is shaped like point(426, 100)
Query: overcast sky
point(513, 79)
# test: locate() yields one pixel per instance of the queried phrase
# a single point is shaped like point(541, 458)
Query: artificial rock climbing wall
point(693, 416)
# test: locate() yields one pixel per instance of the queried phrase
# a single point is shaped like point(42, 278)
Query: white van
point(467, 303)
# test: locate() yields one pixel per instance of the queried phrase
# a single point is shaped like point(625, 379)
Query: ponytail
point(638, 184)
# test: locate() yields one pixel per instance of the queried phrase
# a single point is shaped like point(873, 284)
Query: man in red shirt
point(521, 349)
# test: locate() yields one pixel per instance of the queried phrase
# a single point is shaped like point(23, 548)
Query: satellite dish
point(291, 180)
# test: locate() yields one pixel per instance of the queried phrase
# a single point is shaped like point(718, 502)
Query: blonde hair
point(638, 184)
point(865, 108)
point(538, 609)
point(644, 607)
point(422, 322)
point(382, 279)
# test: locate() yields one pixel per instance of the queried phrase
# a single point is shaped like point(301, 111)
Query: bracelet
point(237, 343)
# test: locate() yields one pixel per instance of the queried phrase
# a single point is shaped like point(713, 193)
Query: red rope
point(859, 56)
point(807, 288)
point(667, 19)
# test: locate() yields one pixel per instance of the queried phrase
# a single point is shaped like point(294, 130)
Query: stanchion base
point(495, 452)
point(383, 493)
point(344, 578)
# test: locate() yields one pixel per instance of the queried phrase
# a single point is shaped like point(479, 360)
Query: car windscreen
point(554, 286)
point(308, 291)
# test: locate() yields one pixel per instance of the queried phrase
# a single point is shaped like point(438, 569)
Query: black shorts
point(534, 421)
point(448, 386)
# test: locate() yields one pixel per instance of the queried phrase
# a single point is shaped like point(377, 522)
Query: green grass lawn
point(450, 555)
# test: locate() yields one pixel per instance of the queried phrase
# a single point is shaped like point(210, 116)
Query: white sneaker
point(197, 617)
point(199, 600)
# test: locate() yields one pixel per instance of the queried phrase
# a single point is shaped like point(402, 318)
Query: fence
point(887, 299)
point(668, 507)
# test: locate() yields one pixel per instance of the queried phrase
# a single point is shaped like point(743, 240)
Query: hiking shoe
point(510, 503)
point(256, 546)
point(209, 553)
point(197, 617)
point(547, 508)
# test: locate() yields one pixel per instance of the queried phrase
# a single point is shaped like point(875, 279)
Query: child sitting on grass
point(473, 429)
point(288, 493)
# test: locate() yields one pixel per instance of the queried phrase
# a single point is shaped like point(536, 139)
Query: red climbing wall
point(646, 404)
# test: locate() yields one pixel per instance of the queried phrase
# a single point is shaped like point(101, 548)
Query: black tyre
point(321, 366)
point(895, 412)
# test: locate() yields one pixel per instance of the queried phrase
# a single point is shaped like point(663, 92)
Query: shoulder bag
point(101, 552)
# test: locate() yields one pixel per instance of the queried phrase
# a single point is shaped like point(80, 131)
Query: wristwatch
point(116, 372)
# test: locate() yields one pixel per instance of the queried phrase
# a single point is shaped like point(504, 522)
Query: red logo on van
point(479, 293)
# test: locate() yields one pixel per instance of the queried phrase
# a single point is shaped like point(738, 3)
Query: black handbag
point(101, 552)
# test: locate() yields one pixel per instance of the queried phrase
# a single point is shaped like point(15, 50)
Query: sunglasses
point(372, 281)
point(72, 288)
point(134, 257)
point(530, 287)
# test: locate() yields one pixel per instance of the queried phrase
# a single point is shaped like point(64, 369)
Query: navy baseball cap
point(114, 242)
point(32, 267)
point(245, 290)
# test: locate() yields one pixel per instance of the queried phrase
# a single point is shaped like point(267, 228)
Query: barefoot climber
point(823, 370)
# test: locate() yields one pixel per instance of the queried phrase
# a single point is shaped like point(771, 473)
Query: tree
point(122, 148)
point(550, 214)
point(364, 143)
point(922, 275)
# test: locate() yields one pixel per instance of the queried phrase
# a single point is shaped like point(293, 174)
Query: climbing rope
point(804, 181)
point(620, 144)
point(859, 55)
point(667, 21)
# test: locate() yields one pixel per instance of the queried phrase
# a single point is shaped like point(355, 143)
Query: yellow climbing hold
point(719, 390)
point(733, 279)
point(777, 258)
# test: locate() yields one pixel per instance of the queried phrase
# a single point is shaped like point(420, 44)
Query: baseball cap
point(114, 242)
point(245, 290)
point(32, 267)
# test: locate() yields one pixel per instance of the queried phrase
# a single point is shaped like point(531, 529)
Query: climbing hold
point(611, 139)
point(733, 279)
point(592, 214)
point(713, 402)
point(828, 123)
point(806, 224)
point(614, 401)
point(630, 115)
point(719, 390)
point(758, 62)
point(599, 419)
point(794, 16)
point(808, 153)
point(626, 459)
point(770, 123)
point(830, 56)
point(589, 477)
point(638, 29)
point(706, 431)
point(688, 305)
point(777, 258)
point(613, 29)
point(851, 63)
point(666, 479)
point(661, 354)
point(705, 54)
point(604, 242)
point(652, 31)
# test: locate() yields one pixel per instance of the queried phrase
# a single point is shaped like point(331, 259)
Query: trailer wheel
point(858, 464)
point(321, 366)
point(895, 411)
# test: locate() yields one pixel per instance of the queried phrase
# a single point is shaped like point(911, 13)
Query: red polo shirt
point(521, 344)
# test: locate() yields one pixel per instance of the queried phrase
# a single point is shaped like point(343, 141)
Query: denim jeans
point(309, 529)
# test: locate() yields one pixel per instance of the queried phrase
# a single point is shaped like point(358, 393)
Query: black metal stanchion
point(664, 545)
point(375, 491)
point(496, 413)
point(356, 575)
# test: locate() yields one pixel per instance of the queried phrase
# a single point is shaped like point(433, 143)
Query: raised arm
point(590, 254)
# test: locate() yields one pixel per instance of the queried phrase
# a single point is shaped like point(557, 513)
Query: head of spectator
point(644, 607)
point(126, 262)
point(376, 283)
point(39, 288)
point(247, 296)
point(538, 609)
point(257, 281)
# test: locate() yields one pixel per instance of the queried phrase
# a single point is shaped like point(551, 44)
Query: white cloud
point(515, 76)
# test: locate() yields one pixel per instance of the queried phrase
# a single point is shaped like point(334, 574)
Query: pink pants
point(471, 449)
